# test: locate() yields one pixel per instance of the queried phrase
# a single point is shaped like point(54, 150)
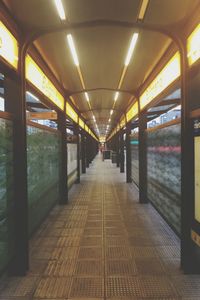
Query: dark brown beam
point(72, 93)
point(157, 112)
point(100, 108)
point(36, 105)
point(168, 102)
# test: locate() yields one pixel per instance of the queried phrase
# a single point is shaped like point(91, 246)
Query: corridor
point(103, 245)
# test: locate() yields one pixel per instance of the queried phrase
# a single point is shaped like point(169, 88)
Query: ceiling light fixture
point(109, 120)
point(116, 96)
point(143, 9)
point(73, 49)
point(131, 49)
point(60, 9)
point(87, 97)
point(111, 112)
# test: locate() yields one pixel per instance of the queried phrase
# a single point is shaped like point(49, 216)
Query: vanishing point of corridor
point(103, 245)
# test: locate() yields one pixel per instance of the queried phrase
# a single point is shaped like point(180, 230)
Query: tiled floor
point(103, 245)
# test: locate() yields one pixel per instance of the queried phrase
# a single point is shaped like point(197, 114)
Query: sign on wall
point(8, 46)
point(193, 45)
point(36, 76)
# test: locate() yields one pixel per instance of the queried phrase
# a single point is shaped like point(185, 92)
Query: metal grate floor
point(103, 245)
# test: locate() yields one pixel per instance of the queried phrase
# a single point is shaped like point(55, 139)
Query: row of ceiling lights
point(132, 45)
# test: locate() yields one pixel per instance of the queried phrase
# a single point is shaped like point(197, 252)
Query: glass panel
point(43, 151)
point(72, 164)
point(6, 193)
point(164, 172)
point(135, 158)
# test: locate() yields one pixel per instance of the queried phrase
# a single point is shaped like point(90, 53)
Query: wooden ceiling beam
point(169, 102)
point(157, 112)
point(36, 105)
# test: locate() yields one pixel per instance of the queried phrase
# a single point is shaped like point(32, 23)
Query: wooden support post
point(83, 152)
point(87, 151)
point(15, 102)
point(190, 253)
point(76, 131)
point(128, 153)
point(121, 136)
point(63, 181)
point(142, 157)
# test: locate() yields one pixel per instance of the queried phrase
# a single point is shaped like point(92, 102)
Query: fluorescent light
point(143, 9)
point(111, 112)
point(87, 97)
point(33, 96)
point(72, 49)
point(109, 120)
point(131, 49)
point(60, 9)
point(116, 96)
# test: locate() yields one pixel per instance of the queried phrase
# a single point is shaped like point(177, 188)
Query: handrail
point(40, 126)
point(195, 113)
point(164, 125)
point(6, 115)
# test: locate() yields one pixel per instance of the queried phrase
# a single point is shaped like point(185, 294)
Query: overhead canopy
point(101, 49)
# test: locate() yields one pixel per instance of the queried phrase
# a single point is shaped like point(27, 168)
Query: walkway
point(103, 245)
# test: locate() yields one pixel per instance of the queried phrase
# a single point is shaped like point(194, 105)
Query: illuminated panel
point(36, 76)
point(123, 122)
point(71, 113)
point(133, 111)
point(102, 139)
point(8, 46)
point(193, 46)
point(168, 74)
point(81, 123)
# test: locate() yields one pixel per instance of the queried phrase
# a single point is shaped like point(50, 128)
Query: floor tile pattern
point(103, 245)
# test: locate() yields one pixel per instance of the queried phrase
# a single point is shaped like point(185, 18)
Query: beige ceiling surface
point(101, 49)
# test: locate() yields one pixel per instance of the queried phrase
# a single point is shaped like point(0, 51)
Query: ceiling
point(101, 49)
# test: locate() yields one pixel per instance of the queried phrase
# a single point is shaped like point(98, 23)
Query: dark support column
point(16, 104)
point(128, 153)
point(142, 157)
point(63, 185)
point(76, 127)
point(121, 152)
point(87, 151)
point(83, 152)
point(189, 255)
point(117, 150)
point(90, 148)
